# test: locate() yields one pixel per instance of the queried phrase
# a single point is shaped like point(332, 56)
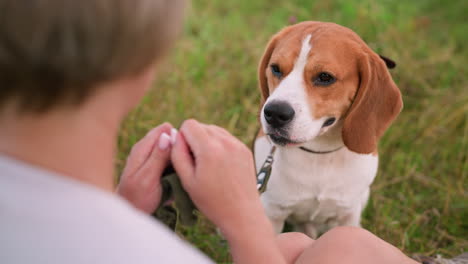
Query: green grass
point(419, 200)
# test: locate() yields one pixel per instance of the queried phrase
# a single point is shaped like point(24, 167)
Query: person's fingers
point(142, 149)
point(156, 162)
point(220, 131)
point(173, 135)
point(143, 187)
point(146, 144)
point(195, 135)
point(182, 160)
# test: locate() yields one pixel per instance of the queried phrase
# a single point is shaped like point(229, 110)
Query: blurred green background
point(419, 200)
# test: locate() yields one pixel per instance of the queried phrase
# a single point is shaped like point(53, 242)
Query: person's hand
point(140, 182)
point(217, 171)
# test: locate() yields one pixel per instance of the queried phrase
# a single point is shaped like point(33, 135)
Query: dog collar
point(320, 152)
point(264, 174)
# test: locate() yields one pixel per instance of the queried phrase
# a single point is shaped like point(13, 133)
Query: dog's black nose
point(278, 113)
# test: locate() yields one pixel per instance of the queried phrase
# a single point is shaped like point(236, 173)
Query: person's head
point(57, 53)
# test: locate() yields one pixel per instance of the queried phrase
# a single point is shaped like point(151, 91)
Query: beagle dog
point(327, 98)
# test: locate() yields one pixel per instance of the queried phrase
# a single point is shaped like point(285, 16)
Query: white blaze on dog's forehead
point(292, 88)
point(302, 58)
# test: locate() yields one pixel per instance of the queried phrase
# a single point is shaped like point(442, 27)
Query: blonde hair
point(55, 52)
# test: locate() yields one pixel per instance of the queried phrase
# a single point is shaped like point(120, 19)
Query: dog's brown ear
point(389, 62)
point(263, 66)
point(376, 104)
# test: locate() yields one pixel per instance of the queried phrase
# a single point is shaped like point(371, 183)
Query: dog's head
point(314, 76)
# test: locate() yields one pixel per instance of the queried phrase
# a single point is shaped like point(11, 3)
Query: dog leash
point(264, 174)
point(181, 210)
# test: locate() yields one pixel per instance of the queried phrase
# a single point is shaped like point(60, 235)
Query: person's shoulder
point(127, 235)
point(139, 237)
point(52, 219)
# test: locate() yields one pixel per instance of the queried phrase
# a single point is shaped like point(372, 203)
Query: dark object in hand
point(183, 211)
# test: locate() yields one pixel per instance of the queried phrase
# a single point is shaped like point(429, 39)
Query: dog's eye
point(324, 79)
point(329, 122)
point(275, 69)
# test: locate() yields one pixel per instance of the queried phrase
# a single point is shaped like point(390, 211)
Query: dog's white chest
point(315, 187)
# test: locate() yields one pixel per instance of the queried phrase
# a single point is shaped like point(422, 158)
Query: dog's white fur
point(315, 192)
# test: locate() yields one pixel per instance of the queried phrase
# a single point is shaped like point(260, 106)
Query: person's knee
point(352, 245)
point(292, 244)
point(344, 233)
point(347, 240)
point(295, 237)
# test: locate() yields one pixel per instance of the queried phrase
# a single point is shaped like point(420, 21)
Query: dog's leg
point(277, 221)
point(353, 217)
point(307, 228)
point(275, 213)
point(278, 224)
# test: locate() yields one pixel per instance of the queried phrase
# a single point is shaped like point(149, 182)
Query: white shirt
point(48, 218)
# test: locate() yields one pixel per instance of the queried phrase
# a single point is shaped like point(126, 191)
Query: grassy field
point(419, 201)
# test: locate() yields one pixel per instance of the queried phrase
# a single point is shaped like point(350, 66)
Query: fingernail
point(173, 135)
point(164, 141)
